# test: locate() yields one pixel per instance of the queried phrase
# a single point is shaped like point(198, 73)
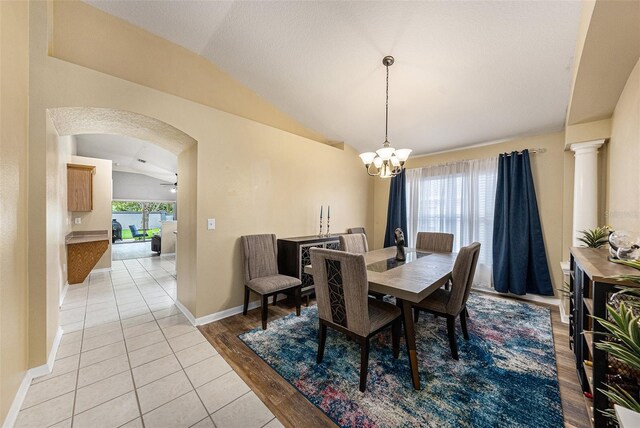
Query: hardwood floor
point(293, 409)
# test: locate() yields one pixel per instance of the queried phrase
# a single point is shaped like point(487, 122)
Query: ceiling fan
point(174, 186)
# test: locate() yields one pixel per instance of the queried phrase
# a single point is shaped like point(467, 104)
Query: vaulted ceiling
point(466, 72)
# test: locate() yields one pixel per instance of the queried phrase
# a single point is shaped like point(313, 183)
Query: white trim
point(217, 316)
point(63, 293)
point(29, 375)
point(21, 394)
point(101, 270)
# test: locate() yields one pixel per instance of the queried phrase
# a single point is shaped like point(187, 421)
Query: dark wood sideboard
point(591, 285)
point(293, 256)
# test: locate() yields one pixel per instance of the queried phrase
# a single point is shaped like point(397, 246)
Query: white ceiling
point(466, 72)
point(125, 152)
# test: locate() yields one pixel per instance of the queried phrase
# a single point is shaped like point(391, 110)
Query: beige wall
point(251, 177)
point(14, 88)
point(89, 37)
point(187, 240)
point(623, 198)
point(547, 169)
point(100, 217)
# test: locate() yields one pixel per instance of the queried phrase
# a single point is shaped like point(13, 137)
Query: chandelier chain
point(386, 110)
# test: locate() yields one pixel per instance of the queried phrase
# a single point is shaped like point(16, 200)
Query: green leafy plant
point(625, 331)
point(594, 238)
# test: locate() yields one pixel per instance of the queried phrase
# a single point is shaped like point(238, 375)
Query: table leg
point(410, 338)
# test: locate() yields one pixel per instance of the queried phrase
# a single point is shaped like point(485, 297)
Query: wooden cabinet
point(80, 187)
point(294, 255)
point(592, 282)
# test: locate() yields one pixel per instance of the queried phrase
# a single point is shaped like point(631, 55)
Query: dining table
point(409, 281)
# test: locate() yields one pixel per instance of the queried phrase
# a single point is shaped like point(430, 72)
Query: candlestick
point(328, 218)
point(320, 234)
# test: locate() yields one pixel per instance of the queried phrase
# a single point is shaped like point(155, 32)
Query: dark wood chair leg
point(416, 314)
point(451, 331)
point(298, 293)
point(466, 312)
point(265, 311)
point(364, 363)
point(275, 299)
point(322, 338)
point(246, 300)
point(396, 331)
point(463, 324)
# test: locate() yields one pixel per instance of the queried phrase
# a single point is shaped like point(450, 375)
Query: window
point(456, 198)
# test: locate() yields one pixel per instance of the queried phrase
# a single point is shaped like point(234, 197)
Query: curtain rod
point(540, 150)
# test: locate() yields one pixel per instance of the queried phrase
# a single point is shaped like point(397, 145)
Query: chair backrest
point(434, 241)
point(356, 230)
point(133, 229)
point(462, 275)
point(260, 256)
point(354, 243)
point(341, 284)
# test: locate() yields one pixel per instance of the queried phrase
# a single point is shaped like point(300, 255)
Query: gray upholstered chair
point(452, 303)
point(436, 242)
point(357, 243)
point(354, 243)
point(341, 292)
point(260, 258)
point(356, 230)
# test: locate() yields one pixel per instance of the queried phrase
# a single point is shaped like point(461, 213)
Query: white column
point(585, 187)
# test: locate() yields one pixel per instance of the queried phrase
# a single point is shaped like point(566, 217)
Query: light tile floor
point(129, 358)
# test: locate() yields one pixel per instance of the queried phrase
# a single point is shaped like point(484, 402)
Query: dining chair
point(356, 230)
point(260, 259)
point(354, 243)
point(341, 292)
point(453, 303)
point(357, 243)
point(437, 242)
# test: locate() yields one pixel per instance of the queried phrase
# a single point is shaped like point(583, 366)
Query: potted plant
point(595, 238)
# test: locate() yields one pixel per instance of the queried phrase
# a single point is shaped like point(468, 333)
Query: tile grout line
point(135, 389)
point(75, 392)
point(181, 366)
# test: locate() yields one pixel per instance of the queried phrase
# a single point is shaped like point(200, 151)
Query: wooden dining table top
point(412, 280)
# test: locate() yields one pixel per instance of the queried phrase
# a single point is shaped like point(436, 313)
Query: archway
point(69, 121)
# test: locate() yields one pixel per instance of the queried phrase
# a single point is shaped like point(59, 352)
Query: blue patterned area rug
point(506, 375)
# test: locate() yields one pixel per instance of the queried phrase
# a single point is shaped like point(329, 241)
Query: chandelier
point(388, 162)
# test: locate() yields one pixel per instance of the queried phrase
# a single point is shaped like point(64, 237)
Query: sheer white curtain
point(457, 198)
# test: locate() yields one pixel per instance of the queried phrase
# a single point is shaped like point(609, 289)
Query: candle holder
point(320, 235)
point(328, 233)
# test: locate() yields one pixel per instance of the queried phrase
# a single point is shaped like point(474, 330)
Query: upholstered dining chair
point(354, 243)
point(452, 303)
point(436, 242)
point(356, 230)
point(260, 258)
point(341, 292)
point(357, 243)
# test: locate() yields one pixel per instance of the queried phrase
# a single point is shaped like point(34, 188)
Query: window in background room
point(456, 198)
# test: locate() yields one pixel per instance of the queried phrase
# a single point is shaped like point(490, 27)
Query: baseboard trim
point(217, 316)
point(63, 293)
point(29, 375)
point(546, 300)
point(101, 270)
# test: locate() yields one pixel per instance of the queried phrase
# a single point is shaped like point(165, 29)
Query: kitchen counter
point(86, 236)
point(84, 250)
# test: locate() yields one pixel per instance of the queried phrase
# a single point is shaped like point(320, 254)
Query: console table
point(294, 255)
point(591, 285)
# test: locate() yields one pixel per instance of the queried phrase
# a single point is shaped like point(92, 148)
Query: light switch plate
point(211, 224)
point(78, 220)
